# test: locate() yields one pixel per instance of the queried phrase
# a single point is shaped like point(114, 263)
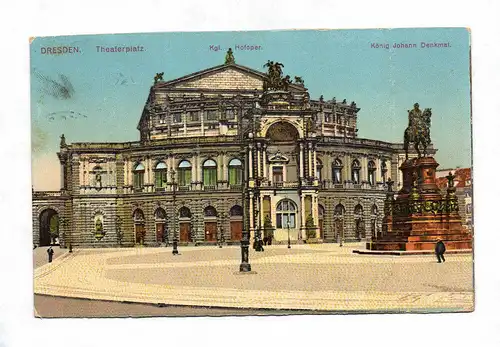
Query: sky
point(106, 92)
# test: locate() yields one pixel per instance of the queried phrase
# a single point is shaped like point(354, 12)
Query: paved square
point(306, 277)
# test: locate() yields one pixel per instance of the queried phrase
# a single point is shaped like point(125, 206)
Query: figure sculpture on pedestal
point(418, 131)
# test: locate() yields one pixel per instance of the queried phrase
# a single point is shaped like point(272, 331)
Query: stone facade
point(218, 153)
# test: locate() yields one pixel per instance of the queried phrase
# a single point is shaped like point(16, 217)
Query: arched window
point(138, 216)
point(236, 210)
point(139, 176)
point(184, 173)
point(374, 210)
point(356, 167)
point(160, 214)
point(210, 211)
point(319, 167)
point(161, 175)
point(371, 172)
point(337, 171)
point(339, 210)
point(209, 173)
point(358, 211)
point(285, 214)
point(235, 172)
point(184, 212)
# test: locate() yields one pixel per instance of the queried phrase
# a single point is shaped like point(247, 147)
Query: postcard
point(252, 173)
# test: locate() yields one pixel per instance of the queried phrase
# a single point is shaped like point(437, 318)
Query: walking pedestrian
point(50, 252)
point(440, 249)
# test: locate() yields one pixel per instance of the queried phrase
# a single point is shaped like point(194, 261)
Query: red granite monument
point(420, 214)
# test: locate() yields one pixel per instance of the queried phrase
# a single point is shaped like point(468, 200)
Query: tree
point(54, 228)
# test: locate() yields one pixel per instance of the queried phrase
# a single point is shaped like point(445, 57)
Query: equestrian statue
point(418, 131)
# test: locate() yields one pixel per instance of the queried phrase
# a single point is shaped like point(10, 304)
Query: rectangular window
point(160, 179)
point(212, 115)
point(337, 179)
point(185, 177)
point(209, 177)
point(138, 180)
point(230, 114)
point(194, 116)
point(177, 117)
point(234, 175)
point(292, 220)
point(278, 174)
point(285, 221)
point(279, 222)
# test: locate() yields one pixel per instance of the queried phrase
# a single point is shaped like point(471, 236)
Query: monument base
point(421, 215)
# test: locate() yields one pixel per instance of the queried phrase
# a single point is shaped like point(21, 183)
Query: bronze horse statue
point(418, 131)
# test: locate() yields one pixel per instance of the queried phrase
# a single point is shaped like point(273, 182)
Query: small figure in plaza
point(440, 249)
point(50, 252)
point(70, 248)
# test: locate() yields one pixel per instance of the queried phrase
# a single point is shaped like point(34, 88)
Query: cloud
point(39, 139)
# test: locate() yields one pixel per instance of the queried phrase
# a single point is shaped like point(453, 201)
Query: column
point(61, 176)
point(250, 161)
point(389, 169)
point(224, 167)
point(258, 160)
point(315, 161)
point(264, 162)
point(220, 173)
point(364, 169)
point(327, 166)
point(202, 119)
point(378, 172)
point(346, 174)
point(184, 120)
point(301, 163)
point(251, 214)
point(309, 159)
point(197, 169)
point(302, 211)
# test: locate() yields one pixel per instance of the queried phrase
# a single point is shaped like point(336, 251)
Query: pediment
point(278, 157)
point(222, 77)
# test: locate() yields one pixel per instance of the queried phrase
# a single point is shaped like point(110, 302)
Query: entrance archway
point(184, 225)
point(339, 222)
point(321, 216)
point(160, 221)
point(236, 220)
point(210, 214)
point(49, 227)
point(139, 229)
point(359, 223)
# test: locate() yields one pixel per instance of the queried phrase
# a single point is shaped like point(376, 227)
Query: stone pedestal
point(420, 214)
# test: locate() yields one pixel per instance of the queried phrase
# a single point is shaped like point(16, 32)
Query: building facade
point(222, 150)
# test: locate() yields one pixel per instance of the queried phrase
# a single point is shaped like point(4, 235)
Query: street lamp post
point(242, 130)
point(174, 241)
point(288, 228)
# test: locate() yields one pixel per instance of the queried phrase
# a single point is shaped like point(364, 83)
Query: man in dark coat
point(440, 249)
point(50, 252)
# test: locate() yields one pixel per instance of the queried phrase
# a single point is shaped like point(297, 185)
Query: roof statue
point(63, 141)
point(418, 131)
point(299, 80)
point(274, 79)
point(159, 77)
point(229, 57)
